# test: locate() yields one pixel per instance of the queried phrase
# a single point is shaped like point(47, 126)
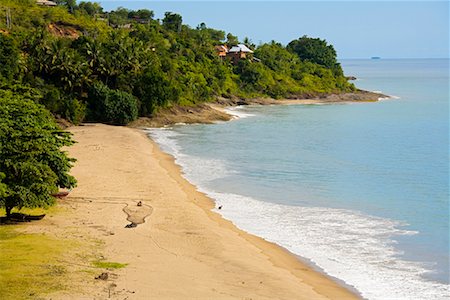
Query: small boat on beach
point(61, 194)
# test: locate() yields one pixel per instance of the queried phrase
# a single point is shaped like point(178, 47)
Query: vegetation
point(316, 51)
point(114, 106)
point(32, 165)
point(108, 265)
point(76, 62)
point(28, 264)
point(36, 265)
point(70, 53)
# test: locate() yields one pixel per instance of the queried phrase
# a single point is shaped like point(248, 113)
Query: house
point(221, 50)
point(235, 53)
point(46, 3)
point(239, 52)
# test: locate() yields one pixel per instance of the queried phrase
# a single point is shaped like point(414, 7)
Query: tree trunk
point(8, 211)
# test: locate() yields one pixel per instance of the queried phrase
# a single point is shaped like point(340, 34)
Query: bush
point(9, 57)
point(62, 106)
point(112, 106)
point(74, 110)
point(154, 90)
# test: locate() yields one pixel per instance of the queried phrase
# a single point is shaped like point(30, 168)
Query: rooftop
point(240, 48)
point(46, 2)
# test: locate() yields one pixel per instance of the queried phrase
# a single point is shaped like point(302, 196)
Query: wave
point(356, 248)
point(390, 97)
point(237, 112)
point(165, 138)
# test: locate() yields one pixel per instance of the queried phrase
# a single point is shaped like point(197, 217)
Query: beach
point(183, 250)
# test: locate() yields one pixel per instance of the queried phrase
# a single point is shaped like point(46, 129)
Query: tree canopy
point(314, 50)
point(32, 164)
point(9, 56)
point(172, 21)
point(77, 62)
point(66, 52)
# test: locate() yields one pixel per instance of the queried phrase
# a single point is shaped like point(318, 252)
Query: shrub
point(112, 106)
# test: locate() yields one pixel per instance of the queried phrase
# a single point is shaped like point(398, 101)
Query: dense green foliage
point(9, 57)
point(112, 106)
point(317, 51)
point(32, 165)
point(83, 64)
point(113, 67)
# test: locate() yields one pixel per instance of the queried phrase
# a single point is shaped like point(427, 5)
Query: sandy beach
point(183, 250)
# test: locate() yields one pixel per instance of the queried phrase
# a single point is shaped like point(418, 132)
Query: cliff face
point(63, 30)
point(202, 113)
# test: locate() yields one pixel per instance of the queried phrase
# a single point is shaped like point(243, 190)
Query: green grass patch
point(29, 264)
point(108, 265)
point(33, 211)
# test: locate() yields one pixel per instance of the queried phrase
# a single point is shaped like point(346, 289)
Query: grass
point(33, 265)
point(29, 264)
point(108, 265)
point(33, 211)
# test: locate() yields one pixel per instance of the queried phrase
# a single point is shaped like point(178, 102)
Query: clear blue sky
point(357, 29)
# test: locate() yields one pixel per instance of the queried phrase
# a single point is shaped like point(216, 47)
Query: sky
point(356, 29)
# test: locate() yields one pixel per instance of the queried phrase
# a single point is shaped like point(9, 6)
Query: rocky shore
point(211, 112)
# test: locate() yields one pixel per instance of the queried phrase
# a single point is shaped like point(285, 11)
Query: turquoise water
point(360, 190)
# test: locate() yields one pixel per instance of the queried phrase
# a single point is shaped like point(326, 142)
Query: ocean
point(360, 191)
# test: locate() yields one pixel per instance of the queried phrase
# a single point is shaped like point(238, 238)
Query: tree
point(232, 40)
point(154, 90)
point(277, 58)
point(9, 57)
point(70, 4)
point(118, 17)
point(32, 164)
point(91, 8)
point(314, 50)
point(143, 14)
point(172, 21)
point(112, 106)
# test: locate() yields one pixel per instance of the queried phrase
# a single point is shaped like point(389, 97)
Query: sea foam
point(356, 248)
point(238, 112)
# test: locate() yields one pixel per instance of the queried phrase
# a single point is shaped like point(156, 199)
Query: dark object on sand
point(139, 203)
point(103, 276)
point(33, 218)
point(18, 217)
point(220, 207)
point(131, 225)
point(61, 194)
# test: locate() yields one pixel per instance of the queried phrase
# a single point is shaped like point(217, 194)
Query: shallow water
point(361, 190)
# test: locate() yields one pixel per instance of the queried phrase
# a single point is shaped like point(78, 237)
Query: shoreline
point(209, 203)
point(211, 112)
point(183, 249)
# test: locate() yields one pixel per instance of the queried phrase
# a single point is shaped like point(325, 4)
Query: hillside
point(85, 64)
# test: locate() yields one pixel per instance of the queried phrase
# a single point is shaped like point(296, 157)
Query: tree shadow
point(16, 218)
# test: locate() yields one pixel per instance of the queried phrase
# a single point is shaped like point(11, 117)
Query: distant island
point(375, 57)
